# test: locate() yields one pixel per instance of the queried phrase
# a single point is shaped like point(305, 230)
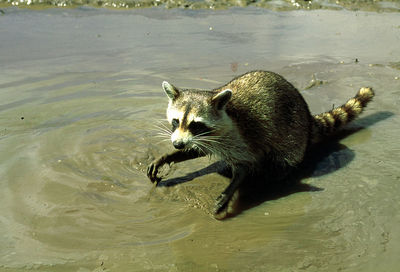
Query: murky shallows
point(79, 99)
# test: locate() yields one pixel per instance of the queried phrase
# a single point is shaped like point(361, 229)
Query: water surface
point(79, 97)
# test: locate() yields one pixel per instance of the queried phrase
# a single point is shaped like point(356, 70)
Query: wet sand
point(79, 97)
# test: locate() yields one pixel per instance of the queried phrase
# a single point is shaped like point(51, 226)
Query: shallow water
point(80, 95)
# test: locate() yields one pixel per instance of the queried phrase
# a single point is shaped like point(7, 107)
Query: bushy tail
point(327, 123)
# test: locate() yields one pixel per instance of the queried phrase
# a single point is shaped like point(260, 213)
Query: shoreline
point(286, 5)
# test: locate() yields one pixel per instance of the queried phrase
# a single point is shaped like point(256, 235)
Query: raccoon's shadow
point(320, 160)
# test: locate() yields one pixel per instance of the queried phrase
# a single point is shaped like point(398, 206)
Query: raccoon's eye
point(197, 128)
point(175, 124)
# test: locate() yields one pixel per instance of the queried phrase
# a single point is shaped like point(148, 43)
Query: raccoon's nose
point(178, 144)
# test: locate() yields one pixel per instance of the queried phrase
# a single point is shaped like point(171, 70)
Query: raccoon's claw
point(227, 205)
point(221, 203)
point(152, 171)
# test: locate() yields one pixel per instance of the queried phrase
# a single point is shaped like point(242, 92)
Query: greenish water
point(365, 5)
point(80, 92)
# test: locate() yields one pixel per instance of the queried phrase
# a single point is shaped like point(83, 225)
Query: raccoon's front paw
point(152, 170)
point(226, 206)
point(221, 203)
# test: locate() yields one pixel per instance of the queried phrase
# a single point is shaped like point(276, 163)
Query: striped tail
point(327, 123)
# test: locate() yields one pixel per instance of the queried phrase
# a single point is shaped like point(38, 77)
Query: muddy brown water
point(80, 95)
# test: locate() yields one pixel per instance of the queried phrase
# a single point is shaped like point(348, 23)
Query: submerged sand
point(80, 95)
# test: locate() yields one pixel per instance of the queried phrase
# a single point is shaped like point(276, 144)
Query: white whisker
point(164, 132)
point(162, 136)
point(202, 147)
point(208, 140)
point(163, 140)
point(204, 133)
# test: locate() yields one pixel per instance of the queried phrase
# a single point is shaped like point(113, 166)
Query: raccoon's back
point(270, 114)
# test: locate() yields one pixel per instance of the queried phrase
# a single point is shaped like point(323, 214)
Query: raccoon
point(255, 123)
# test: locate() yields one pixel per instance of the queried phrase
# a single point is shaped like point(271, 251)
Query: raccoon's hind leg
point(239, 174)
point(174, 157)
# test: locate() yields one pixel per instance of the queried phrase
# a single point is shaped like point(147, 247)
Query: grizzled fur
point(255, 122)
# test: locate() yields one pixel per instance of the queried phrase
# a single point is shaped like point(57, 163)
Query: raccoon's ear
point(222, 98)
point(171, 91)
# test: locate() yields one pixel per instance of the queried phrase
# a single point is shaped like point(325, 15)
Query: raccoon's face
point(197, 117)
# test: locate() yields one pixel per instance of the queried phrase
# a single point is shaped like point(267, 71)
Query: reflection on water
point(77, 115)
